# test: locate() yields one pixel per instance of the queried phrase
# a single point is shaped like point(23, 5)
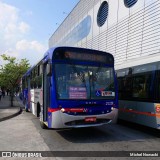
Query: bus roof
point(49, 53)
point(28, 71)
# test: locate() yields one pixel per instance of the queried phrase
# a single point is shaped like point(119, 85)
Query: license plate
point(90, 119)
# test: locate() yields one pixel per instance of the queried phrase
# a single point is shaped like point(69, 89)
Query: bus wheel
point(38, 109)
point(43, 126)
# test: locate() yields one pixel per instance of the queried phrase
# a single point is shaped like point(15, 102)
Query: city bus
point(72, 87)
point(139, 91)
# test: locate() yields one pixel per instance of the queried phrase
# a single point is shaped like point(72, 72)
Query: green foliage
point(12, 71)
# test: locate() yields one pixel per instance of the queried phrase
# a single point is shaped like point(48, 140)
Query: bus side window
point(142, 86)
point(157, 86)
point(38, 81)
point(121, 84)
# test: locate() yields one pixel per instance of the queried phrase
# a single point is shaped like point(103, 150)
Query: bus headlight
point(62, 110)
point(112, 108)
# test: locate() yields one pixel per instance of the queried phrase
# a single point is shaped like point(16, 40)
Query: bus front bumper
point(64, 120)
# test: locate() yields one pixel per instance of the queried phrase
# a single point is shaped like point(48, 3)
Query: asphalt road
point(23, 133)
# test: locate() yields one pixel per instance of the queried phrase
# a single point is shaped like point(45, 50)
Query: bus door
point(46, 91)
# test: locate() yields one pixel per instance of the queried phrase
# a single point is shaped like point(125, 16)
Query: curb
point(11, 116)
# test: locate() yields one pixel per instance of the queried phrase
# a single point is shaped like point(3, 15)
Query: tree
point(11, 73)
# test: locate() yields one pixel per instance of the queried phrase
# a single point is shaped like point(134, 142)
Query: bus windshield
point(84, 82)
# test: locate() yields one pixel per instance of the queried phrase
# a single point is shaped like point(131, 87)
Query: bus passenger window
point(141, 86)
point(128, 83)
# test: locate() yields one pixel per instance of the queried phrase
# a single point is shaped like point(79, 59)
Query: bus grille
point(82, 122)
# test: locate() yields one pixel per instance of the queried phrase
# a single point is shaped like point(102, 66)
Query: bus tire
point(43, 126)
point(38, 109)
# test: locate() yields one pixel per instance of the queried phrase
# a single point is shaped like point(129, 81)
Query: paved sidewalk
point(6, 111)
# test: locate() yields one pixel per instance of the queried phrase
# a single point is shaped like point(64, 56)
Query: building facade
point(128, 29)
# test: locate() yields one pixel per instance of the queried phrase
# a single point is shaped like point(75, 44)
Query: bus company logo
point(85, 110)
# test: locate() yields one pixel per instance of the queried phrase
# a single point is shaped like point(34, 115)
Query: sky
point(27, 25)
